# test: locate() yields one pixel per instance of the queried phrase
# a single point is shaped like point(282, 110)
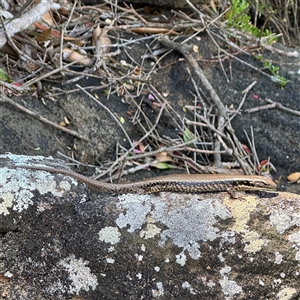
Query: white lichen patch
point(8, 274)
point(295, 238)
point(186, 285)
point(24, 159)
point(210, 284)
point(225, 270)
point(160, 290)
point(110, 260)
point(79, 274)
point(188, 220)
point(111, 249)
point(278, 257)
point(139, 257)
point(22, 200)
point(230, 287)
point(181, 258)
point(110, 235)
point(18, 186)
point(137, 207)
point(188, 224)
point(285, 218)
point(260, 282)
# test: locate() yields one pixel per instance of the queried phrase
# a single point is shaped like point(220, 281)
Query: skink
point(183, 183)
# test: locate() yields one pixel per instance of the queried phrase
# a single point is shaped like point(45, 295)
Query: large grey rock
point(61, 240)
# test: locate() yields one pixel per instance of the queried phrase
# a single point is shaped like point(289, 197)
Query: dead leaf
point(137, 70)
point(47, 18)
point(246, 149)
point(72, 55)
point(31, 66)
point(294, 177)
point(54, 33)
point(99, 40)
point(163, 157)
point(62, 124)
point(142, 147)
point(44, 36)
point(66, 120)
point(96, 34)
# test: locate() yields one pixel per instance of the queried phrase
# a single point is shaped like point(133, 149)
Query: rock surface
point(61, 240)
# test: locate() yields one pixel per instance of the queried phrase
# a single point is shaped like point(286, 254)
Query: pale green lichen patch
point(151, 229)
point(253, 241)
point(6, 202)
point(110, 235)
point(287, 293)
point(241, 211)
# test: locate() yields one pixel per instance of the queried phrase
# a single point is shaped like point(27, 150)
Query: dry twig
point(26, 19)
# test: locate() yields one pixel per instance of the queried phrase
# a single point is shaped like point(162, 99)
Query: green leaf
point(162, 166)
point(3, 75)
point(188, 136)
